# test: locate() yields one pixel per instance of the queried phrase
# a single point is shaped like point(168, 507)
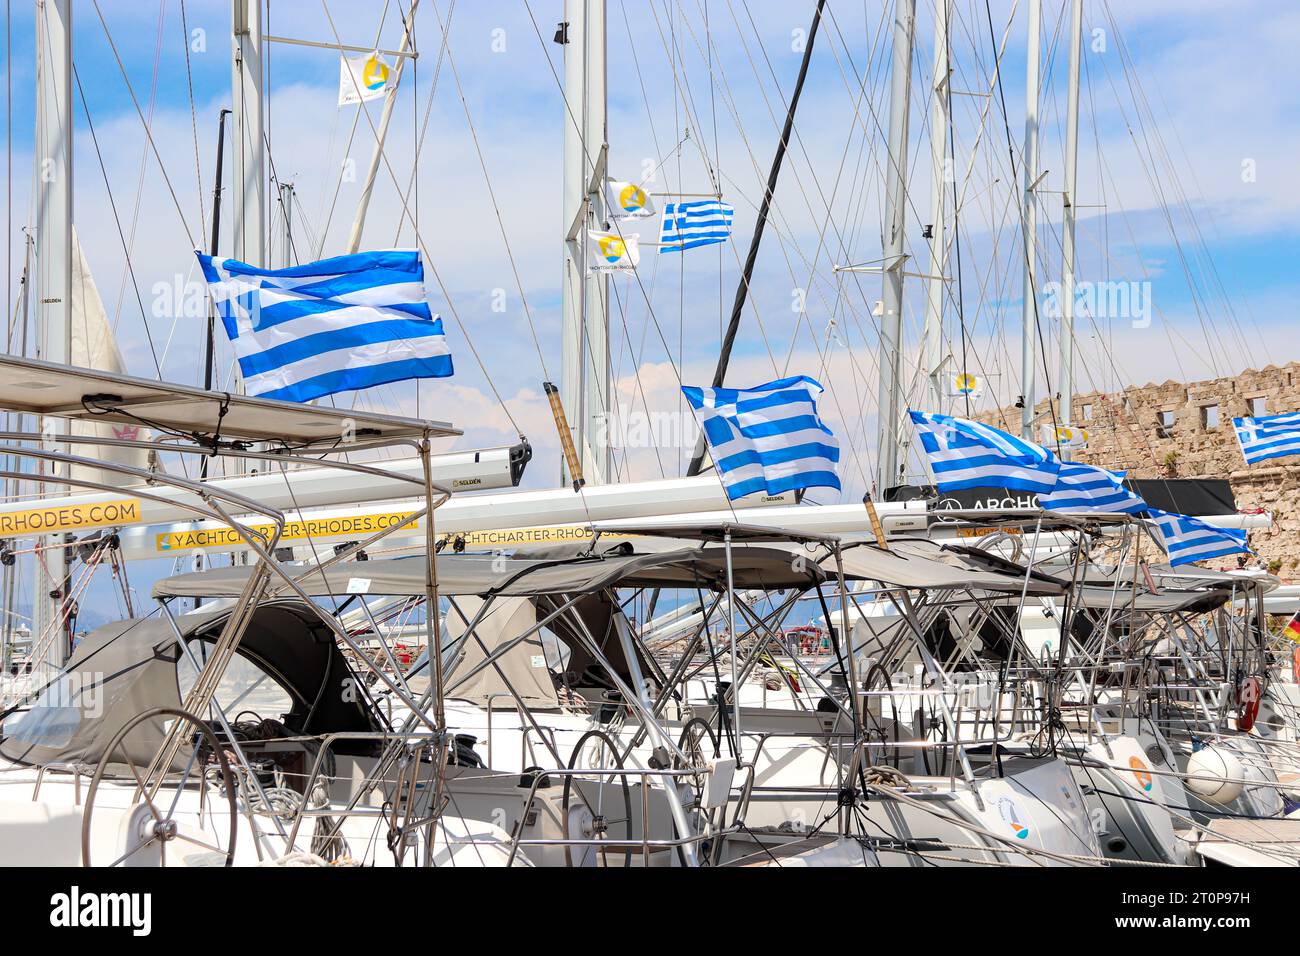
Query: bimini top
point(1142, 601)
point(753, 567)
point(64, 391)
point(706, 568)
point(921, 563)
point(1184, 578)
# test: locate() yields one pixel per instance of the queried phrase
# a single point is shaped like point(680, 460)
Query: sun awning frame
point(208, 418)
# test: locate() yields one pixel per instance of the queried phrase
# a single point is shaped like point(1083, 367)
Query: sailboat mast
point(891, 320)
point(249, 200)
point(584, 336)
point(385, 118)
point(760, 224)
point(1066, 375)
point(932, 337)
point(1028, 328)
point(53, 282)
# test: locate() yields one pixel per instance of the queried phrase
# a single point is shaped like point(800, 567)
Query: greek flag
point(1268, 436)
point(767, 438)
point(331, 326)
point(1191, 539)
point(1082, 487)
point(702, 222)
point(966, 454)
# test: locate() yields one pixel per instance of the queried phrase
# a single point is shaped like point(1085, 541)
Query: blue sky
point(1178, 95)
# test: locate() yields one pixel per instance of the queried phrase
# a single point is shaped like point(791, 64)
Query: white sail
point(94, 346)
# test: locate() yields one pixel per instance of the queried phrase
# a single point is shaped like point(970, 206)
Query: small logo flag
point(1085, 488)
point(1191, 539)
point(611, 252)
point(967, 454)
point(1268, 436)
point(688, 225)
point(332, 326)
point(627, 201)
point(768, 438)
point(363, 78)
point(1067, 436)
point(965, 385)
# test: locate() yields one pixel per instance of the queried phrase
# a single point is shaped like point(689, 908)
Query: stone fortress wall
point(1184, 430)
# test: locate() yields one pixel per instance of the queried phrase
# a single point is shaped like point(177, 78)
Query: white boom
point(485, 469)
point(557, 516)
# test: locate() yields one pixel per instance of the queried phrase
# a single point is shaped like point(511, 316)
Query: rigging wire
point(424, 250)
point(148, 131)
point(194, 122)
point(144, 159)
point(117, 222)
point(1030, 252)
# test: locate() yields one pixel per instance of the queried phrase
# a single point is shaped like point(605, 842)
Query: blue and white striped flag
point(331, 326)
point(1085, 488)
point(1191, 539)
point(701, 222)
point(1268, 436)
point(769, 438)
point(966, 454)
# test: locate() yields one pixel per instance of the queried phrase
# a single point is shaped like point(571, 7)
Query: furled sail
point(94, 346)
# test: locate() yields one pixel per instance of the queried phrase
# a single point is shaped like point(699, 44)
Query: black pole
point(208, 352)
point(212, 245)
point(742, 290)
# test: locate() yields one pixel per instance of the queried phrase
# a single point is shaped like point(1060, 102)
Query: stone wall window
point(1209, 417)
point(1086, 411)
point(1164, 424)
point(1258, 406)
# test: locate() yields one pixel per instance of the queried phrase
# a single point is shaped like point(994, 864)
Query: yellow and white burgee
point(628, 201)
point(612, 252)
point(363, 78)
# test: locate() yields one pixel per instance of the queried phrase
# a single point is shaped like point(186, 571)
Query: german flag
point(1292, 631)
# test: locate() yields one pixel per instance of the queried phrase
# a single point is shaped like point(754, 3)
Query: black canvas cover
point(1188, 496)
point(123, 669)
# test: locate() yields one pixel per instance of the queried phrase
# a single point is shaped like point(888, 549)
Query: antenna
point(1028, 327)
point(1066, 403)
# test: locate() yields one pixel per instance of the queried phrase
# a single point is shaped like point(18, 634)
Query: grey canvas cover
point(926, 565)
point(752, 567)
point(521, 668)
point(118, 671)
